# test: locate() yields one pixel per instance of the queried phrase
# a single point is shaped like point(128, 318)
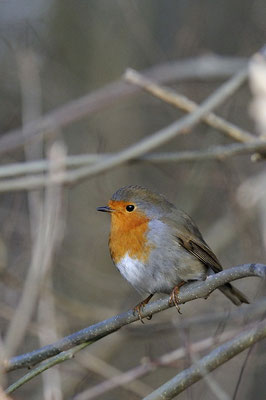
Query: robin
point(157, 248)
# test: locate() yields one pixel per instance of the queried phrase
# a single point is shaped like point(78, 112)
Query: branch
point(185, 104)
point(215, 152)
point(121, 379)
point(46, 241)
point(164, 135)
point(65, 355)
point(143, 146)
point(213, 360)
point(207, 67)
point(35, 167)
point(149, 366)
point(95, 332)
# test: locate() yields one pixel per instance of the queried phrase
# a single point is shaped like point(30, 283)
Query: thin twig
point(111, 374)
point(206, 67)
point(216, 152)
point(143, 146)
point(213, 360)
point(29, 78)
point(237, 316)
point(31, 110)
point(2, 358)
point(218, 392)
point(52, 380)
point(65, 355)
point(35, 167)
point(150, 365)
point(166, 134)
point(47, 238)
point(257, 79)
point(242, 372)
point(182, 102)
point(95, 332)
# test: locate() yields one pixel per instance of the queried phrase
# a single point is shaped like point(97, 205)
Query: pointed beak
point(105, 209)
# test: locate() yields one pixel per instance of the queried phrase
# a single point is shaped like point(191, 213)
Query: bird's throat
point(129, 237)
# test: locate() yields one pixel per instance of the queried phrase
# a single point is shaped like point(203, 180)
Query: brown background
point(81, 46)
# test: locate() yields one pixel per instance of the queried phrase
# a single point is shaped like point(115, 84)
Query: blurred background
point(60, 51)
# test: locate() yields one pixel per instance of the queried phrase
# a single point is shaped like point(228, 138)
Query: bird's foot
point(137, 309)
point(173, 300)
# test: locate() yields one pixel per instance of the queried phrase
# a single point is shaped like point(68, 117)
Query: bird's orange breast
point(128, 234)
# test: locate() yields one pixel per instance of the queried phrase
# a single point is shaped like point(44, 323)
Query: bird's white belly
point(134, 271)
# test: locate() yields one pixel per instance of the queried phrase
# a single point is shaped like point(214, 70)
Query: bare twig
point(257, 72)
point(208, 363)
point(143, 146)
point(182, 102)
point(150, 365)
point(243, 367)
point(35, 167)
point(31, 110)
point(52, 384)
point(46, 240)
point(218, 392)
point(207, 67)
point(164, 135)
point(65, 355)
point(2, 358)
point(95, 332)
point(216, 152)
point(112, 374)
point(237, 316)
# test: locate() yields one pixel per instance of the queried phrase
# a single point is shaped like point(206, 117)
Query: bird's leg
point(174, 296)
point(139, 306)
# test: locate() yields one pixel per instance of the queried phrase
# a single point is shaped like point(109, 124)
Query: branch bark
point(207, 67)
point(35, 167)
point(213, 360)
point(95, 332)
point(51, 362)
point(185, 104)
point(138, 149)
point(150, 365)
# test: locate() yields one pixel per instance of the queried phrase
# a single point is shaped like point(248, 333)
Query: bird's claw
point(137, 309)
point(173, 300)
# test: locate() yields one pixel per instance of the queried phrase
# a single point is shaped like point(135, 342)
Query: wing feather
point(188, 236)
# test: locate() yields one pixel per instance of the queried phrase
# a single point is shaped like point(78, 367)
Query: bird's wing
point(187, 235)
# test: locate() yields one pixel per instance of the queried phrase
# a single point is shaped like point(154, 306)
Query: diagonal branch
point(182, 126)
point(35, 167)
point(51, 362)
point(149, 366)
point(211, 361)
point(182, 102)
point(95, 332)
point(44, 248)
point(207, 67)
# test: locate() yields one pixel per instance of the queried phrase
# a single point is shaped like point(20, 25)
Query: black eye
point(130, 207)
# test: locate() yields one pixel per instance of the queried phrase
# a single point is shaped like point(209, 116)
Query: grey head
point(154, 205)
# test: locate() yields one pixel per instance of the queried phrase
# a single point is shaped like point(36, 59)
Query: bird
point(157, 247)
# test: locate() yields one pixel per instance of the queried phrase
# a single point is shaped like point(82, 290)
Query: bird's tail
point(233, 294)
